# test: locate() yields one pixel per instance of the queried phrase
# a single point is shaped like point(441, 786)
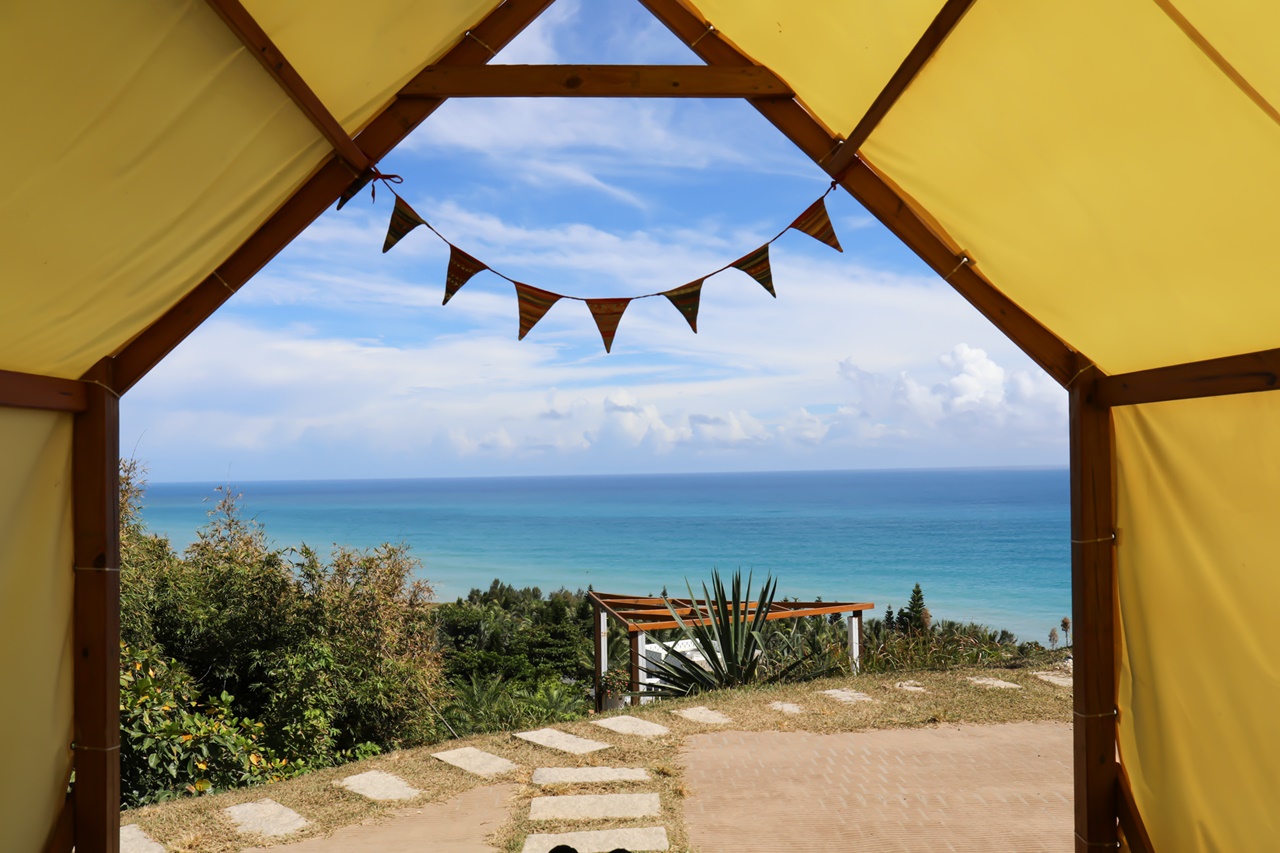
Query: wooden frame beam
point(323, 188)
point(597, 81)
point(941, 27)
point(240, 22)
point(1215, 377)
point(1093, 612)
point(95, 497)
point(880, 199)
point(32, 391)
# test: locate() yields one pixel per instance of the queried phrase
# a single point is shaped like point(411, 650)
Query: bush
point(172, 743)
point(334, 660)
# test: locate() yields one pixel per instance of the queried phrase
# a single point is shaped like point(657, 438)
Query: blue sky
point(338, 361)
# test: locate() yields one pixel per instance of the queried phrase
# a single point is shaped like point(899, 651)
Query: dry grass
point(198, 826)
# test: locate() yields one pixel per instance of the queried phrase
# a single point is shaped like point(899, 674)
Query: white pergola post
point(855, 640)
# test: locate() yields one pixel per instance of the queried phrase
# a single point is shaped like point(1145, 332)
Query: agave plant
point(727, 633)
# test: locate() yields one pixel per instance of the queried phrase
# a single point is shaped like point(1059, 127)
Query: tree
point(916, 613)
point(1053, 638)
point(1066, 630)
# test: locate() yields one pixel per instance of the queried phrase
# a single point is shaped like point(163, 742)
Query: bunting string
point(535, 302)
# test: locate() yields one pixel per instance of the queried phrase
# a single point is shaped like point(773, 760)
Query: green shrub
point(334, 659)
point(173, 743)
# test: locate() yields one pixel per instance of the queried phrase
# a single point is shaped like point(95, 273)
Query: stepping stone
point(845, 694)
point(377, 785)
point(573, 775)
point(134, 840)
point(563, 741)
point(786, 707)
point(601, 840)
point(265, 817)
point(995, 683)
point(704, 715)
point(476, 761)
point(594, 806)
point(1062, 679)
point(632, 726)
point(911, 687)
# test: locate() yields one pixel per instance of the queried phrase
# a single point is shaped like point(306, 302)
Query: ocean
point(989, 546)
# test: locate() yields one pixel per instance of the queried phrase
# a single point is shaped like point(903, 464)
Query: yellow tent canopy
point(1098, 178)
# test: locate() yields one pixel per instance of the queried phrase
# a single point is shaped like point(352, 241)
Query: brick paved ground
point(968, 788)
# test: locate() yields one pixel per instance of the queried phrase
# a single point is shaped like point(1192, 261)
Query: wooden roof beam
point(240, 22)
point(32, 391)
point(880, 199)
point(925, 48)
point(597, 81)
point(323, 188)
point(1214, 377)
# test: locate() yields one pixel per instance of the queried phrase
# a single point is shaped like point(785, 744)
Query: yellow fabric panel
point(356, 57)
point(145, 145)
point(836, 54)
point(1103, 173)
point(1244, 33)
point(35, 623)
point(1198, 482)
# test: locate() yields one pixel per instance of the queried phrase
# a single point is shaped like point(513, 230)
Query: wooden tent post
point(95, 470)
point(1093, 611)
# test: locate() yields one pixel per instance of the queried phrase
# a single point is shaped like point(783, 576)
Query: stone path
point(1062, 679)
point(265, 817)
point(636, 839)
point(378, 785)
point(699, 714)
point(459, 825)
point(911, 686)
point(975, 789)
point(594, 806)
point(134, 840)
point(579, 775)
point(563, 741)
point(847, 695)
point(995, 683)
point(476, 761)
point(786, 707)
point(632, 726)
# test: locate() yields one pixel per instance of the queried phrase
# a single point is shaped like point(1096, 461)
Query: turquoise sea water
point(985, 545)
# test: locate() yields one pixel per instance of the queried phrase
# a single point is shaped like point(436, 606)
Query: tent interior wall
point(1094, 177)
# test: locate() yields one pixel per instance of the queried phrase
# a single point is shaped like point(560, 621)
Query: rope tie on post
point(1110, 538)
point(113, 392)
point(965, 260)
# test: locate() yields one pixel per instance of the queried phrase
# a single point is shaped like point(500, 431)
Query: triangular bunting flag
point(403, 220)
point(461, 268)
point(817, 224)
point(354, 190)
point(534, 304)
point(686, 299)
point(757, 266)
point(608, 313)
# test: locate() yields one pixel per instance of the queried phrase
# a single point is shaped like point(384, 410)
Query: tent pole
point(1093, 610)
point(634, 637)
point(95, 470)
point(599, 641)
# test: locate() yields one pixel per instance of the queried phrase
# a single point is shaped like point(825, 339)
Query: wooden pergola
point(642, 614)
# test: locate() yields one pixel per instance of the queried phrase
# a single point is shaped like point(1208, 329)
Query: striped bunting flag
point(757, 266)
point(461, 268)
point(817, 224)
point(686, 299)
point(608, 313)
point(403, 220)
point(534, 304)
point(354, 190)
